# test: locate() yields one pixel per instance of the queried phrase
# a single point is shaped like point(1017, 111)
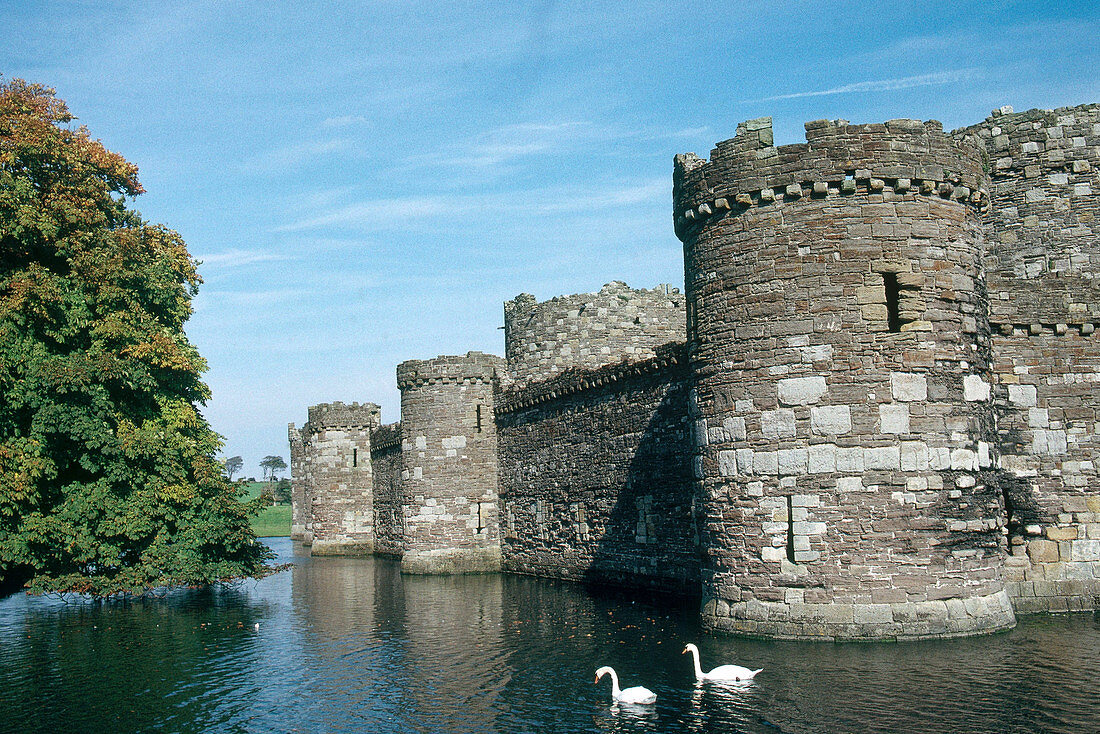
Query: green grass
point(272, 521)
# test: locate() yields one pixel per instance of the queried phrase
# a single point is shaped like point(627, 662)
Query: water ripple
point(352, 645)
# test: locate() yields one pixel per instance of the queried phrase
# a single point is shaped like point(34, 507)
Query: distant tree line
point(277, 490)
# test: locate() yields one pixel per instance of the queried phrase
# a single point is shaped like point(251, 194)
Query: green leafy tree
point(282, 492)
point(108, 481)
point(233, 465)
point(271, 465)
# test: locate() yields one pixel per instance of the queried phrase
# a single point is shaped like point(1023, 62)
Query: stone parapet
point(473, 367)
point(838, 159)
point(515, 396)
point(341, 415)
point(385, 438)
point(589, 330)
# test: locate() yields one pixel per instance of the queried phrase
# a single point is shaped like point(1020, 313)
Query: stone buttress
point(841, 365)
point(449, 472)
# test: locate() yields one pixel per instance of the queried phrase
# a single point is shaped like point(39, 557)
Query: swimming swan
point(635, 694)
point(734, 673)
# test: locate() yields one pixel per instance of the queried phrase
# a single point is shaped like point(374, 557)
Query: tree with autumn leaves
point(108, 477)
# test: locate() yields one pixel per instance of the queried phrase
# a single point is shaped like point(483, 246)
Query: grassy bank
point(272, 521)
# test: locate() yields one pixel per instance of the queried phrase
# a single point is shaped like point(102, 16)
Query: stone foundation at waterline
point(871, 415)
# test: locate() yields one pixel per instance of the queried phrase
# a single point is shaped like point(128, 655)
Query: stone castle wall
point(1041, 267)
point(588, 330)
point(389, 497)
point(882, 423)
point(596, 479)
point(840, 358)
point(449, 464)
point(300, 486)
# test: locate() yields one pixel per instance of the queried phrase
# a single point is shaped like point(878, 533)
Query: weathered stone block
point(777, 423)
point(822, 459)
point(727, 463)
point(801, 390)
point(882, 457)
point(829, 420)
point(1022, 395)
point(1042, 551)
point(908, 386)
point(893, 418)
point(975, 388)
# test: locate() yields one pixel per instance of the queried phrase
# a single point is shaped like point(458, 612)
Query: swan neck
point(695, 659)
point(614, 684)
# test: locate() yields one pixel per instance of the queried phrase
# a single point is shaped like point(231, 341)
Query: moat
point(351, 645)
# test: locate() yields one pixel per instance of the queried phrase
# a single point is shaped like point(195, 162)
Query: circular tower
point(449, 464)
point(840, 358)
point(335, 453)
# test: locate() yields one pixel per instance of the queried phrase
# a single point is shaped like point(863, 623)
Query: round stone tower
point(840, 358)
point(335, 450)
point(449, 464)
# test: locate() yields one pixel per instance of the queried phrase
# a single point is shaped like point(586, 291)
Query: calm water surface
point(349, 645)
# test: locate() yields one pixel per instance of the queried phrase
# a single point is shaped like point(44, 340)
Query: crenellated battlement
point(343, 415)
point(475, 367)
point(589, 330)
point(385, 438)
point(1036, 142)
point(838, 159)
point(578, 380)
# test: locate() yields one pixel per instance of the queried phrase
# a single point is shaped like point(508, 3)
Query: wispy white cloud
point(884, 85)
point(236, 258)
point(376, 212)
point(511, 142)
point(291, 156)
point(384, 213)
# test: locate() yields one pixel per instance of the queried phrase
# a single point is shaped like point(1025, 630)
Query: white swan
point(635, 694)
point(728, 673)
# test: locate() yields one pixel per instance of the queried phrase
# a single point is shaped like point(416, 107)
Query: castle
point(872, 414)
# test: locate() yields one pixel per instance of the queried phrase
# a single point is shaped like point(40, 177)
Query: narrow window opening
point(893, 297)
point(790, 528)
point(355, 457)
point(479, 418)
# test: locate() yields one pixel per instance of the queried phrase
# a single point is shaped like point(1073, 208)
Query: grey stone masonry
point(334, 447)
point(299, 483)
point(835, 310)
point(596, 482)
point(449, 472)
point(1044, 303)
point(588, 330)
point(389, 497)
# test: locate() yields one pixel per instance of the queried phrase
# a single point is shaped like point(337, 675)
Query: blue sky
point(368, 182)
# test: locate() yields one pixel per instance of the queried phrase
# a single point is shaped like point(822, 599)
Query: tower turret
point(840, 359)
point(336, 447)
point(449, 464)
